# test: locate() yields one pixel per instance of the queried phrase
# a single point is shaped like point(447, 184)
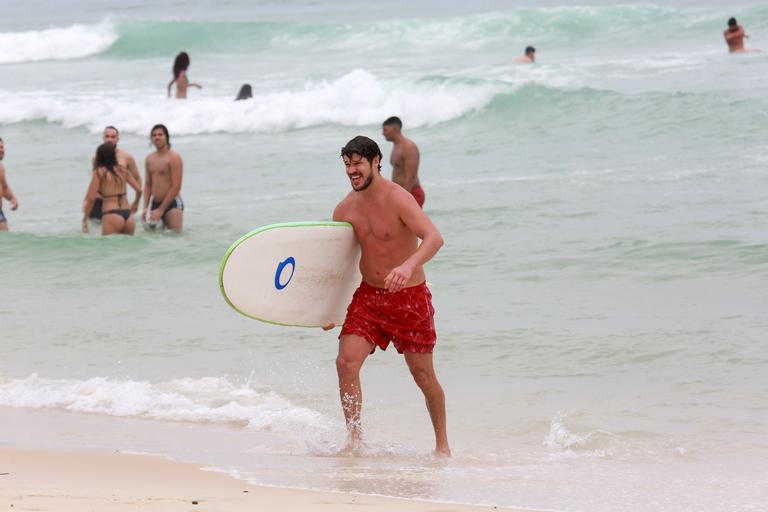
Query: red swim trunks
point(418, 193)
point(406, 318)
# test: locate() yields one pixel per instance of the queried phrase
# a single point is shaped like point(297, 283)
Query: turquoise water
point(600, 298)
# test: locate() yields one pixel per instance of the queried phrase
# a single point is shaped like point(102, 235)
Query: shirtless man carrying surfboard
point(393, 303)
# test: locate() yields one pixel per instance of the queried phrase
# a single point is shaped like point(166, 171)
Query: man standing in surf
point(393, 303)
point(404, 158)
point(162, 183)
point(5, 190)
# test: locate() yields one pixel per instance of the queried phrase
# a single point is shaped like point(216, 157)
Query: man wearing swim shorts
point(404, 159)
point(162, 183)
point(393, 303)
point(5, 191)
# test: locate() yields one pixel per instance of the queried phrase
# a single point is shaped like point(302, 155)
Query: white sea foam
point(356, 99)
point(205, 400)
point(596, 443)
point(58, 43)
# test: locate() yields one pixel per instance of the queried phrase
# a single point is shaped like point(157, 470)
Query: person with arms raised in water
point(180, 66)
point(5, 190)
point(162, 183)
point(108, 181)
point(404, 159)
point(126, 161)
point(734, 37)
point(393, 303)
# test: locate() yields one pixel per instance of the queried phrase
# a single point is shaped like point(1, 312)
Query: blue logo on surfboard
point(280, 270)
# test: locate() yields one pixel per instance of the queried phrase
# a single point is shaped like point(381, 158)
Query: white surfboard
point(299, 273)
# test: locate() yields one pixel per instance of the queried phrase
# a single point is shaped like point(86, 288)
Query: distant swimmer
point(245, 93)
point(393, 303)
point(529, 57)
point(734, 37)
point(162, 183)
point(5, 190)
point(126, 162)
point(404, 159)
point(180, 66)
point(108, 181)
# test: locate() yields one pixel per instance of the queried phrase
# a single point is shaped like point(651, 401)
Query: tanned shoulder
point(341, 210)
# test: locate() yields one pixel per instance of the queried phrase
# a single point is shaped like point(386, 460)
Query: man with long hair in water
point(162, 183)
point(180, 66)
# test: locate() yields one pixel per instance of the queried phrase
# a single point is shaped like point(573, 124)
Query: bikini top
point(120, 186)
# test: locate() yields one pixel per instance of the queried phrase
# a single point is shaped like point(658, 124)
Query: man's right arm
point(147, 188)
point(338, 212)
point(338, 216)
point(729, 36)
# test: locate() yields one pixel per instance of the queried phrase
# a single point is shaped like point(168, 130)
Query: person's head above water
point(245, 93)
point(528, 57)
point(180, 64)
point(733, 24)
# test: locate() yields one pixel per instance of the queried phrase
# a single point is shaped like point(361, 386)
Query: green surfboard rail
point(254, 233)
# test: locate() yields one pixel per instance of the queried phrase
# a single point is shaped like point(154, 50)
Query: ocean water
point(601, 298)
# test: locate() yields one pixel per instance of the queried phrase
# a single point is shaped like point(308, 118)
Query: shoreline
point(73, 481)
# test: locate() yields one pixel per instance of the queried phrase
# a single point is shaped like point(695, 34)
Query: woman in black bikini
point(108, 180)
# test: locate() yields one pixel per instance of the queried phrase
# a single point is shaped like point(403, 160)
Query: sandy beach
point(72, 481)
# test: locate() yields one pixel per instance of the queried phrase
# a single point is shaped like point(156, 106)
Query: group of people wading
point(106, 199)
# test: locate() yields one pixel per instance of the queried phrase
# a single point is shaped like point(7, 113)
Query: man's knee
point(347, 366)
point(425, 378)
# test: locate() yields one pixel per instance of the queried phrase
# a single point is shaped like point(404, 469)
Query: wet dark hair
point(245, 92)
point(110, 127)
point(732, 22)
point(393, 120)
point(530, 49)
point(167, 135)
point(363, 146)
point(106, 157)
point(180, 64)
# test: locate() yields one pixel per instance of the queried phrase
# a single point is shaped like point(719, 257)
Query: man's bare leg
point(423, 373)
point(3, 226)
point(352, 353)
point(174, 219)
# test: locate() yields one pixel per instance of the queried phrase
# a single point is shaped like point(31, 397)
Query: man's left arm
point(410, 167)
point(7, 192)
point(431, 241)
